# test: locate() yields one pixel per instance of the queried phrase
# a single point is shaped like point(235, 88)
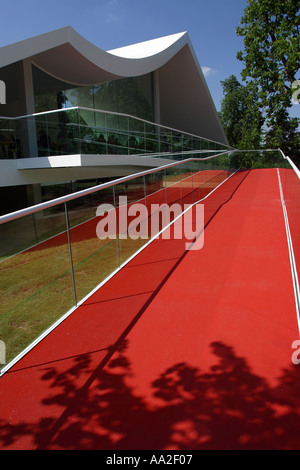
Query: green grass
point(36, 286)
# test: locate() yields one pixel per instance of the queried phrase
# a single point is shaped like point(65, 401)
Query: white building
point(53, 127)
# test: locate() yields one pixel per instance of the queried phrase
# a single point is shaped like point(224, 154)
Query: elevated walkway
point(179, 349)
point(81, 143)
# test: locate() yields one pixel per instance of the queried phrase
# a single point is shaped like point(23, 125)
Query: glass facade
point(112, 118)
point(133, 95)
point(70, 131)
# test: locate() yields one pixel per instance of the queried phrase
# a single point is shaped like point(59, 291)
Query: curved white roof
point(184, 98)
point(86, 63)
point(147, 48)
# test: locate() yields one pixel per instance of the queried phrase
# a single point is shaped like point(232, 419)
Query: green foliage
point(240, 114)
point(272, 59)
point(284, 134)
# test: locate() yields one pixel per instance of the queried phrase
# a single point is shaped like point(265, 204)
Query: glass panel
point(20, 151)
point(105, 96)
point(43, 138)
point(100, 121)
point(132, 216)
point(49, 93)
point(155, 188)
point(100, 137)
point(210, 173)
point(27, 136)
point(144, 87)
point(165, 140)
point(85, 96)
point(134, 96)
point(177, 142)
point(59, 131)
point(187, 143)
point(94, 257)
point(35, 277)
point(152, 138)
point(72, 131)
point(88, 134)
point(117, 134)
point(187, 185)
point(136, 136)
point(8, 139)
point(172, 184)
point(196, 143)
point(155, 202)
point(123, 134)
point(205, 144)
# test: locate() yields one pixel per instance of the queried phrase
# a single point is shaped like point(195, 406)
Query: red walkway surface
point(179, 350)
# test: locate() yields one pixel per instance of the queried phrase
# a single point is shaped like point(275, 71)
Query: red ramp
point(179, 350)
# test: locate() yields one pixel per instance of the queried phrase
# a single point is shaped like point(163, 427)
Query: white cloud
point(111, 18)
point(112, 5)
point(207, 71)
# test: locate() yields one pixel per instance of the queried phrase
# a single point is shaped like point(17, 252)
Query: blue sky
point(111, 24)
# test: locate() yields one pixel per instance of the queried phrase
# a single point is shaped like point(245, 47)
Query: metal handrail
point(295, 168)
point(84, 192)
point(297, 171)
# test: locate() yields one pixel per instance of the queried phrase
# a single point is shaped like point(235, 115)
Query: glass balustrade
point(54, 255)
point(88, 131)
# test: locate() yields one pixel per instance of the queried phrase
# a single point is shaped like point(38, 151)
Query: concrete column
point(156, 96)
point(34, 194)
point(34, 191)
point(28, 125)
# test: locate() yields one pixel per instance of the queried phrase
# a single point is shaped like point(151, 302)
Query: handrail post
point(78, 131)
point(117, 226)
point(70, 253)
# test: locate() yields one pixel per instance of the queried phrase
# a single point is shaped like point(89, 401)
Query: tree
point(240, 114)
point(272, 60)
